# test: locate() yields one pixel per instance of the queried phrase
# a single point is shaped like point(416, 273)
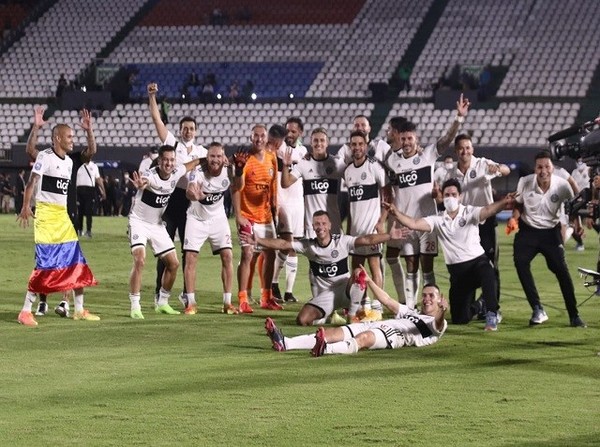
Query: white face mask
point(451, 204)
point(449, 165)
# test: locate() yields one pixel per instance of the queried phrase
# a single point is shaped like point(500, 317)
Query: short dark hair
point(296, 120)
point(186, 119)
point(320, 213)
point(452, 182)
point(215, 144)
point(319, 130)
point(434, 285)
point(362, 115)
point(277, 131)
point(165, 148)
point(396, 123)
point(407, 126)
point(359, 133)
point(462, 136)
point(543, 154)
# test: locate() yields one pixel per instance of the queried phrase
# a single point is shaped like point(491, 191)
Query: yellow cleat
point(85, 315)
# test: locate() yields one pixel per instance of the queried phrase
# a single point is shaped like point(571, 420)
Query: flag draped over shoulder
point(59, 262)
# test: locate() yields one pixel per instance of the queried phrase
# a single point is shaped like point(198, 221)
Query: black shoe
point(478, 309)
point(578, 322)
point(276, 292)
point(288, 297)
point(42, 309)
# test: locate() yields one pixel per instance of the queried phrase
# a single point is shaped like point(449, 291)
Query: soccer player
point(407, 328)
point(185, 150)
point(290, 223)
point(254, 197)
point(366, 180)
point(154, 189)
point(376, 149)
point(320, 174)
point(207, 221)
point(60, 264)
point(327, 254)
point(410, 168)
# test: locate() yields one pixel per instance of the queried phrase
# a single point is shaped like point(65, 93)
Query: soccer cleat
point(320, 344)
point(136, 314)
point(336, 319)
point(191, 309)
point(245, 308)
point(275, 334)
point(62, 310)
point(289, 297)
point(26, 319)
point(580, 247)
point(538, 316)
point(166, 309)
point(578, 322)
point(491, 322)
point(229, 309)
point(276, 292)
point(270, 304)
point(183, 300)
point(372, 315)
point(42, 309)
point(85, 315)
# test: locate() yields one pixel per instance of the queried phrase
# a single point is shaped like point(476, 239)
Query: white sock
point(342, 347)
point(306, 341)
point(291, 268)
point(191, 297)
point(30, 298)
point(278, 265)
point(163, 297)
point(376, 305)
point(410, 287)
point(397, 277)
point(135, 301)
point(227, 298)
point(356, 297)
point(78, 300)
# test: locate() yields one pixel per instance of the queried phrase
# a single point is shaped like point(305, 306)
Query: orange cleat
point(245, 308)
point(270, 304)
point(27, 319)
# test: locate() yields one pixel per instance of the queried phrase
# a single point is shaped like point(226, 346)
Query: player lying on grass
point(407, 328)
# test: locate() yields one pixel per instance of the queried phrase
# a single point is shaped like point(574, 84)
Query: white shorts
point(141, 232)
point(261, 231)
point(216, 230)
point(368, 250)
point(331, 299)
point(417, 243)
point(291, 219)
point(393, 336)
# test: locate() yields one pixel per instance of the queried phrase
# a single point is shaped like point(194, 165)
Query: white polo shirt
point(542, 209)
point(459, 237)
point(376, 149)
point(87, 174)
point(184, 154)
point(476, 182)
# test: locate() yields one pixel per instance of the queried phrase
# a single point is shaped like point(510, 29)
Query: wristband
point(459, 119)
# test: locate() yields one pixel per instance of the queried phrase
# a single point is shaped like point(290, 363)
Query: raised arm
point(270, 243)
point(380, 294)
point(161, 129)
point(462, 108)
point(409, 222)
point(287, 179)
point(38, 123)
point(87, 125)
point(494, 208)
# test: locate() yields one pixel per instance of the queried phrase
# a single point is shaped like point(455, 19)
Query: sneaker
point(275, 334)
point(491, 322)
point(578, 322)
point(62, 310)
point(538, 316)
point(88, 234)
point(289, 297)
point(26, 319)
point(191, 309)
point(166, 309)
point(320, 344)
point(85, 315)
point(183, 300)
point(229, 309)
point(478, 309)
point(372, 315)
point(136, 315)
point(499, 316)
point(580, 247)
point(276, 292)
point(336, 319)
point(42, 309)
point(245, 308)
point(270, 304)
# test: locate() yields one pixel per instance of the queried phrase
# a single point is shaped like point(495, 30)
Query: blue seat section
point(272, 80)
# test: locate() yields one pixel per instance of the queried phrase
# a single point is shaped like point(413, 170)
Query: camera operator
point(539, 201)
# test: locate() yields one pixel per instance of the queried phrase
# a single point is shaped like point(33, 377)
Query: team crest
point(172, 183)
point(38, 166)
point(417, 160)
point(462, 222)
point(135, 237)
point(225, 183)
point(335, 253)
point(472, 174)
point(554, 198)
point(363, 176)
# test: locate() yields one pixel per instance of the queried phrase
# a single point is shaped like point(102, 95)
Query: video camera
point(585, 145)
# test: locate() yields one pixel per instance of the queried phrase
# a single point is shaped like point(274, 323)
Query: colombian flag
point(59, 262)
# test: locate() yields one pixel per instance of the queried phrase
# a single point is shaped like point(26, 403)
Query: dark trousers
point(174, 217)
point(465, 278)
point(489, 242)
point(86, 199)
point(528, 243)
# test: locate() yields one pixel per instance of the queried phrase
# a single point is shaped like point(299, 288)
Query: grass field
point(212, 379)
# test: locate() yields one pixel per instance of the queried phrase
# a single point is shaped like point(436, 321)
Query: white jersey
point(214, 187)
point(294, 195)
point(459, 237)
point(329, 264)
point(412, 179)
point(376, 149)
point(582, 177)
point(321, 181)
point(440, 175)
point(476, 182)
point(184, 153)
point(149, 203)
point(364, 183)
point(55, 173)
point(87, 174)
point(542, 210)
point(416, 328)
point(144, 165)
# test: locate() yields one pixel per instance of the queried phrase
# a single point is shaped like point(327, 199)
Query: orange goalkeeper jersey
point(260, 188)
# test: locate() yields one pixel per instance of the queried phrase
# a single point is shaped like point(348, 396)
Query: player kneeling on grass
point(408, 327)
point(154, 188)
point(327, 255)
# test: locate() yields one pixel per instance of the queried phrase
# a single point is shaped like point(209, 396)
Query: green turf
point(212, 379)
